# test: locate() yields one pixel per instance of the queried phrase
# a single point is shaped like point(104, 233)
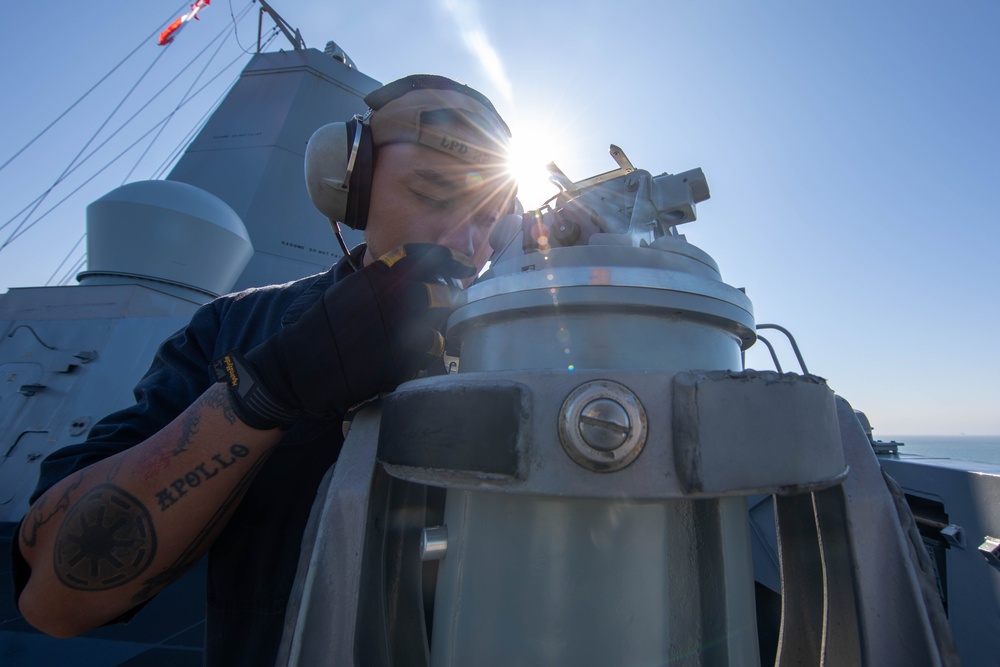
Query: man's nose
point(460, 237)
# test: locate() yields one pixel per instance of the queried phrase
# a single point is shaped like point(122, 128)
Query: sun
point(531, 148)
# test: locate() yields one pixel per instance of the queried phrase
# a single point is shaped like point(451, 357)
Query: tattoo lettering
point(158, 458)
point(193, 552)
point(38, 515)
point(106, 540)
point(204, 471)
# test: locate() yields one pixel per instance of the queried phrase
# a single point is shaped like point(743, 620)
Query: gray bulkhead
point(250, 154)
point(70, 356)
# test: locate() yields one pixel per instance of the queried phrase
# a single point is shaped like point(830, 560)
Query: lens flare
point(473, 180)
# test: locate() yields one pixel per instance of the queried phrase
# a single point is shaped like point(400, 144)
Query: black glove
point(368, 333)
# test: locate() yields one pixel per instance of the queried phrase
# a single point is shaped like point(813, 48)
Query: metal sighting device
point(576, 494)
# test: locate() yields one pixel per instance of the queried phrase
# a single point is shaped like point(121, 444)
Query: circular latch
point(602, 426)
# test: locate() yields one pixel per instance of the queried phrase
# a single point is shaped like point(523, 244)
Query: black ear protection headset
point(339, 165)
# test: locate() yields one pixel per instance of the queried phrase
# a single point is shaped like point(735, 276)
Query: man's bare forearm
point(113, 534)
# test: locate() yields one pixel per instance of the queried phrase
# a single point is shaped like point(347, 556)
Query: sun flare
point(531, 149)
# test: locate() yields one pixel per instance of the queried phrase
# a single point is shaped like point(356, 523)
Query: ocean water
point(981, 448)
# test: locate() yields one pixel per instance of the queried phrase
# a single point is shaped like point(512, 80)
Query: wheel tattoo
point(106, 540)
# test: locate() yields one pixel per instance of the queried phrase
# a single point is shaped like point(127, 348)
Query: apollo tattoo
point(203, 472)
point(193, 551)
point(106, 540)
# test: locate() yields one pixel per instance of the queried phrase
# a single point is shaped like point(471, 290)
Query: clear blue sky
point(851, 148)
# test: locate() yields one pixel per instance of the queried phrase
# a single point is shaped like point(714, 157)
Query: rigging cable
point(69, 167)
point(66, 277)
point(236, 33)
point(18, 232)
point(73, 270)
point(112, 161)
point(117, 131)
point(66, 258)
point(184, 97)
point(197, 127)
point(183, 143)
point(92, 88)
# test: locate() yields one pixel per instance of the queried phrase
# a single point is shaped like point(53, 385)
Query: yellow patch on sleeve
point(392, 256)
point(437, 347)
point(438, 296)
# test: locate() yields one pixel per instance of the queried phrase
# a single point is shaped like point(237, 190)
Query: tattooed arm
point(115, 533)
point(110, 537)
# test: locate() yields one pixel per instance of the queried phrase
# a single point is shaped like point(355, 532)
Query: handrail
point(770, 348)
point(791, 339)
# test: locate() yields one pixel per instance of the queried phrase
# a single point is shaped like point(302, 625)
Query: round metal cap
point(602, 426)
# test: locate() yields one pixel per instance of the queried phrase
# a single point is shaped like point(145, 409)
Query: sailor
point(240, 414)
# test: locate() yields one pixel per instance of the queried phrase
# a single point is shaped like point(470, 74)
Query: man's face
point(422, 195)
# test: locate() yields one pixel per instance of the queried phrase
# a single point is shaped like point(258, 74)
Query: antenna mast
point(294, 37)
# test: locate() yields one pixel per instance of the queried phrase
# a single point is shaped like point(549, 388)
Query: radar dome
point(165, 231)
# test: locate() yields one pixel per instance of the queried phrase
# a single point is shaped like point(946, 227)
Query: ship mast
point(287, 30)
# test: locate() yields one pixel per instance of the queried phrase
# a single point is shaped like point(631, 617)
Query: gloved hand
point(368, 333)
